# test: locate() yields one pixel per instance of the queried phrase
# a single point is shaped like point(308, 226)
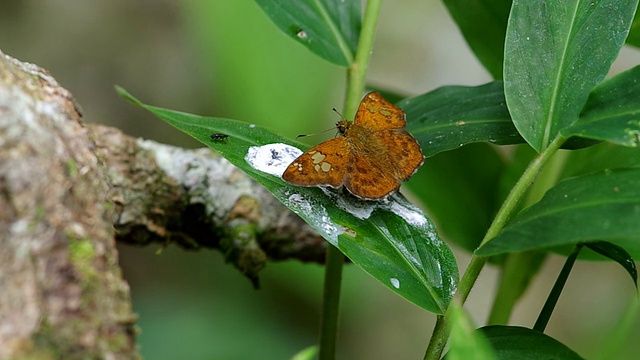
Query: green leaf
point(464, 342)
point(229, 38)
point(329, 28)
point(309, 353)
point(617, 254)
point(612, 112)
point(461, 188)
point(600, 157)
point(452, 116)
point(603, 206)
point(391, 240)
point(514, 342)
point(483, 24)
point(556, 52)
point(634, 32)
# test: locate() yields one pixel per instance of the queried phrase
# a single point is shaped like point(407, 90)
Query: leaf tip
point(127, 96)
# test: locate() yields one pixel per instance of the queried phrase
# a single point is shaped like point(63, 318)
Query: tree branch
point(196, 199)
point(67, 191)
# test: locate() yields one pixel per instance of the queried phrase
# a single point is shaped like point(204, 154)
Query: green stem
point(503, 215)
point(554, 295)
point(520, 188)
point(519, 268)
point(438, 341)
point(356, 75)
point(441, 326)
point(330, 303)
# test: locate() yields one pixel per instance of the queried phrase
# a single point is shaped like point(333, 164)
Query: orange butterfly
point(371, 158)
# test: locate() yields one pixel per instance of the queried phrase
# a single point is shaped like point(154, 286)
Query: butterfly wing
point(402, 152)
point(368, 180)
point(376, 113)
point(324, 164)
point(372, 158)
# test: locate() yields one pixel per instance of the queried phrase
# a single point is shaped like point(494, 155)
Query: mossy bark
point(69, 191)
point(63, 295)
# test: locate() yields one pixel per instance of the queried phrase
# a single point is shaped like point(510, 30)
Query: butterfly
point(371, 158)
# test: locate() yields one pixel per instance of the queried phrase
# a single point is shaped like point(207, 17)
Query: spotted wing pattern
point(376, 113)
point(371, 159)
point(323, 164)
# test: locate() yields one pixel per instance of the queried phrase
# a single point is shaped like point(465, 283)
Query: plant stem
point(519, 268)
point(554, 295)
point(330, 303)
point(503, 215)
point(356, 75)
point(438, 341)
point(440, 327)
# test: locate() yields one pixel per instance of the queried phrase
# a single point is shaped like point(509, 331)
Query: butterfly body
point(371, 158)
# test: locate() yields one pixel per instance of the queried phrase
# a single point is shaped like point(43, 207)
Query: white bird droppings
point(395, 283)
point(272, 158)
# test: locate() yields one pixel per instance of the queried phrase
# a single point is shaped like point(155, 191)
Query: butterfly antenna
point(338, 112)
point(316, 133)
point(324, 131)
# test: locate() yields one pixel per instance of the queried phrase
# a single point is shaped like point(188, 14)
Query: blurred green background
point(224, 58)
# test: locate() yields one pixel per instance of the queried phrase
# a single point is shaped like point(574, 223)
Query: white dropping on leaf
point(331, 230)
point(316, 216)
point(409, 212)
point(395, 283)
point(301, 34)
point(272, 158)
point(361, 209)
point(302, 204)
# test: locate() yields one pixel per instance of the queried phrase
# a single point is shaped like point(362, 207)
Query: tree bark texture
point(68, 191)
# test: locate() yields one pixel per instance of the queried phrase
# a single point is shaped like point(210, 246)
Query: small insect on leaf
point(217, 137)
